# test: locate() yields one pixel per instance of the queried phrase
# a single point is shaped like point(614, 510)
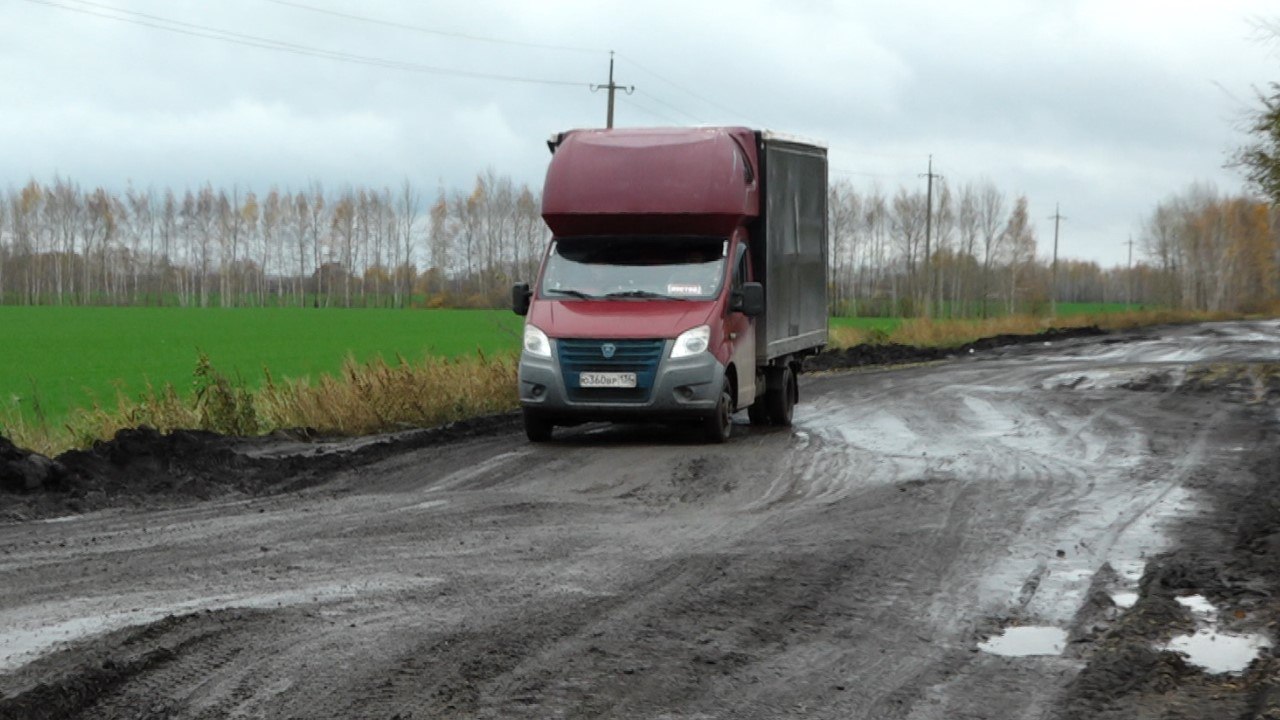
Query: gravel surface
point(1021, 532)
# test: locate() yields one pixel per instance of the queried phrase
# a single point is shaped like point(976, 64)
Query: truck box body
point(686, 265)
point(790, 244)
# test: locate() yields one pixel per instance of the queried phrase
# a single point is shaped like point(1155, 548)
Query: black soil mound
point(895, 354)
point(140, 466)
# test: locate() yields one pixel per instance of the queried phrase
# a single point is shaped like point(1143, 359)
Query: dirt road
point(896, 554)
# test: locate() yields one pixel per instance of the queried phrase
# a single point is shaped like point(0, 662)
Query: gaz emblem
point(608, 349)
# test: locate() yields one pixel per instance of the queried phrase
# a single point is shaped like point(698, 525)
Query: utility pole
point(928, 236)
point(1053, 283)
point(1128, 299)
point(612, 88)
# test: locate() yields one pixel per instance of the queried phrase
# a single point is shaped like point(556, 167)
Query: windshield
point(664, 267)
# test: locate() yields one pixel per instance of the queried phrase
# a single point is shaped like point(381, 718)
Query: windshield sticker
point(684, 289)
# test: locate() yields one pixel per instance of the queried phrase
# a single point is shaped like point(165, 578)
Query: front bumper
point(687, 387)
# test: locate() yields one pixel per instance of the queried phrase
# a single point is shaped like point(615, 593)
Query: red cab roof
point(694, 181)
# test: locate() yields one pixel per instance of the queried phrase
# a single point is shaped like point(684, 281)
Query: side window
point(740, 268)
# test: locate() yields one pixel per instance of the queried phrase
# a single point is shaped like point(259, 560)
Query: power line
point(841, 171)
point(518, 43)
point(183, 28)
point(433, 31)
point(684, 89)
point(668, 105)
point(650, 111)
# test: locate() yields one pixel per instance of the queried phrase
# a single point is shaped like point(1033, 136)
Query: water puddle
point(1124, 600)
point(1026, 641)
point(1198, 604)
point(1219, 652)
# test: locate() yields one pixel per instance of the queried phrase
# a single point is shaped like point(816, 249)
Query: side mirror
point(520, 295)
point(749, 300)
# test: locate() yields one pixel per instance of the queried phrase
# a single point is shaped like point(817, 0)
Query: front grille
point(638, 356)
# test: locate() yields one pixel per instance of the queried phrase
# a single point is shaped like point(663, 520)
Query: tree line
point(978, 254)
point(357, 247)
point(975, 252)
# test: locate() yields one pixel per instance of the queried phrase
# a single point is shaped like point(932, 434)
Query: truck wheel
point(758, 411)
point(781, 394)
point(536, 428)
point(719, 425)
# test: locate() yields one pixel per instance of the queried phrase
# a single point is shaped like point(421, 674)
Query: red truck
point(685, 278)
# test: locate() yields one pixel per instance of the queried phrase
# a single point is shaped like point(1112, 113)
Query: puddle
point(1026, 641)
point(1198, 604)
point(1124, 600)
point(1219, 652)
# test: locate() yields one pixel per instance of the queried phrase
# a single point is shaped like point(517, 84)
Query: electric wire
point(650, 111)
point(433, 31)
point(202, 31)
point(519, 43)
point(666, 104)
point(734, 113)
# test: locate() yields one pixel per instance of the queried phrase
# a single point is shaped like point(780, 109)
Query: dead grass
point(951, 333)
point(363, 398)
point(377, 396)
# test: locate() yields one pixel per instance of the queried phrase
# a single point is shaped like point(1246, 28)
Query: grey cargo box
point(789, 246)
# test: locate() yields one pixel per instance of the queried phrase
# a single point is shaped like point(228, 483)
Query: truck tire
point(719, 424)
point(780, 395)
point(537, 428)
point(758, 411)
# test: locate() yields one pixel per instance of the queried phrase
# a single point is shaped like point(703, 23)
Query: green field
point(884, 324)
point(54, 359)
point(889, 324)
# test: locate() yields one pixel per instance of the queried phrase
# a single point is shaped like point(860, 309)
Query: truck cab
point(650, 303)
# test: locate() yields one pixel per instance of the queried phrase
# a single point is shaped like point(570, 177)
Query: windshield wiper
point(572, 293)
point(642, 294)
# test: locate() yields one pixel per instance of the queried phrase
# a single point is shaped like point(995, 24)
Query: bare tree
point(408, 219)
point(990, 214)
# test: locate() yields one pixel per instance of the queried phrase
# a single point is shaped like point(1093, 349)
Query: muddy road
point(1033, 532)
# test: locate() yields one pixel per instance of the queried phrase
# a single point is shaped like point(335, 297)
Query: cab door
point(740, 331)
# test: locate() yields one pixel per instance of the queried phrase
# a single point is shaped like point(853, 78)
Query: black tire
point(780, 396)
point(718, 426)
point(537, 428)
point(758, 411)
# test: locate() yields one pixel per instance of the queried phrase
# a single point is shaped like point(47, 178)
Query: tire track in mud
point(829, 571)
point(128, 673)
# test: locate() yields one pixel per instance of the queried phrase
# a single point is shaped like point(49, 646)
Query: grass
point(55, 359)
point(951, 333)
point(70, 376)
point(361, 398)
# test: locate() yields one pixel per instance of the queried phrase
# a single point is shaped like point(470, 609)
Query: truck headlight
point(692, 342)
point(536, 342)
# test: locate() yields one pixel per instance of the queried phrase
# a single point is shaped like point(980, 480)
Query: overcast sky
point(1106, 106)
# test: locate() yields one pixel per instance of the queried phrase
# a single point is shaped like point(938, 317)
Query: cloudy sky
point(1104, 106)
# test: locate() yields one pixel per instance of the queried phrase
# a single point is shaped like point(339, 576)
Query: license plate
point(606, 380)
